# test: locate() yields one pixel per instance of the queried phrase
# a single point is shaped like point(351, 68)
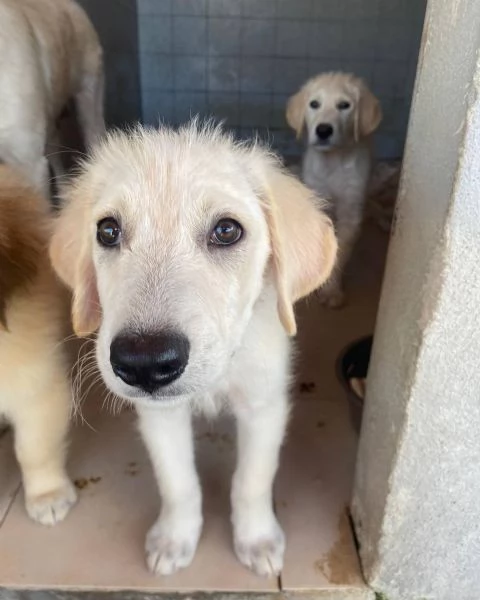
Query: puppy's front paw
point(53, 507)
point(261, 549)
point(171, 544)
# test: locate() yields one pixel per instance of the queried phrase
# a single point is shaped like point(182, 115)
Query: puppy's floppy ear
point(368, 112)
point(71, 257)
point(295, 114)
point(302, 240)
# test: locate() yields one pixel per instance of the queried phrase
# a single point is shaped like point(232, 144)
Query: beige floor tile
point(9, 474)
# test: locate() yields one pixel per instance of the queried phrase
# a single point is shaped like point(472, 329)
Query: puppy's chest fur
point(339, 175)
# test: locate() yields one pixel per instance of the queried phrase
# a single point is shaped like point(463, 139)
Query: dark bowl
point(353, 362)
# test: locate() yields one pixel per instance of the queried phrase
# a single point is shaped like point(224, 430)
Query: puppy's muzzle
point(149, 361)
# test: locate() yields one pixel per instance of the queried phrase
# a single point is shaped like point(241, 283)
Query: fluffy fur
point(49, 54)
point(35, 395)
point(234, 304)
point(337, 168)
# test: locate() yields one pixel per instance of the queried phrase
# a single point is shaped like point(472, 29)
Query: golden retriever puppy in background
point(50, 54)
point(35, 392)
point(337, 114)
point(195, 248)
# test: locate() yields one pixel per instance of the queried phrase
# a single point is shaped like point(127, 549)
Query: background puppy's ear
point(368, 112)
point(295, 114)
point(71, 257)
point(302, 239)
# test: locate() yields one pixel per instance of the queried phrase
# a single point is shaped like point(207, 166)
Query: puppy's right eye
point(109, 232)
point(314, 104)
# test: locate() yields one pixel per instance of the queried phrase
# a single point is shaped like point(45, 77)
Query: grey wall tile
point(155, 7)
point(225, 107)
point(224, 36)
point(359, 39)
point(190, 73)
point(222, 8)
point(224, 74)
point(188, 105)
point(189, 7)
point(292, 38)
point(279, 106)
point(393, 41)
point(389, 78)
point(362, 9)
point(295, 9)
point(257, 75)
point(259, 8)
point(326, 39)
point(155, 33)
point(325, 10)
point(258, 37)
point(255, 109)
point(189, 35)
point(156, 71)
point(289, 74)
point(157, 106)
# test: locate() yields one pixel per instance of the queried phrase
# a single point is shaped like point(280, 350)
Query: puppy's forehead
point(180, 180)
point(332, 86)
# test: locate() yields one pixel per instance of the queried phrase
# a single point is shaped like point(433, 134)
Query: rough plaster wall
point(415, 502)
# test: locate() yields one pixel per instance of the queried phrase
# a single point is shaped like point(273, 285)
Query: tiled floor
point(100, 545)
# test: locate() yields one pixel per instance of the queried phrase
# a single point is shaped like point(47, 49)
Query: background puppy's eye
point(343, 105)
point(314, 104)
point(108, 232)
point(226, 232)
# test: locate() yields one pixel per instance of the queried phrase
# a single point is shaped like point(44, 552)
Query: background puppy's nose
point(149, 361)
point(324, 131)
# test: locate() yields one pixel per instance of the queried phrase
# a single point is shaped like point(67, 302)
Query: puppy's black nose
point(324, 131)
point(149, 361)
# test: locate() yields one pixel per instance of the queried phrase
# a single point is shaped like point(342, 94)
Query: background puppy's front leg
point(173, 539)
point(349, 216)
point(258, 538)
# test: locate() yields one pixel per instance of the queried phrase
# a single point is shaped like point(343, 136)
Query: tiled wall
point(240, 59)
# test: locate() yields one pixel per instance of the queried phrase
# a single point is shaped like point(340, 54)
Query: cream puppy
point(337, 114)
point(188, 251)
point(50, 55)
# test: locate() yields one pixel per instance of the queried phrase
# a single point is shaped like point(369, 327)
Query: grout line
point(10, 503)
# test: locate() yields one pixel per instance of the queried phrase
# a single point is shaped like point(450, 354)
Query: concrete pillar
point(416, 502)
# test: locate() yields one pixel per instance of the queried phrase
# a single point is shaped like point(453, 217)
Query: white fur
point(169, 189)
point(338, 170)
point(50, 54)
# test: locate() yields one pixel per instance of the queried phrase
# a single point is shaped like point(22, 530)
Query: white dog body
point(338, 114)
point(188, 251)
point(49, 54)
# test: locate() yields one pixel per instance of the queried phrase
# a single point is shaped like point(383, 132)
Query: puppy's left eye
point(226, 232)
point(108, 232)
point(343, 105)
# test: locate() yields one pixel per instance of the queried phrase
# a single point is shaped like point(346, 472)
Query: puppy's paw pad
point(166, 553)
point(264, 555)
point(51, 508)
